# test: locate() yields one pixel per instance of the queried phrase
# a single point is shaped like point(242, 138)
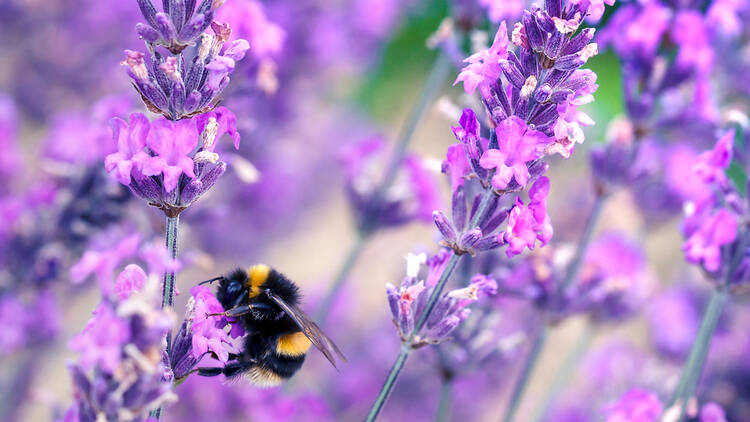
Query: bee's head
point(232, 290)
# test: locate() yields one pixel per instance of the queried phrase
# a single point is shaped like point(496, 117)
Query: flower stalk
point(565, 372)
point(574, 268)
point(528, 367)
point(696, 360)
point(406, 345)
point(444, 405)
point(438, 74)
point(170, 235)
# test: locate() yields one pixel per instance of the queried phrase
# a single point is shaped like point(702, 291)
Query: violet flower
point(191, 79)
point(517, 146)
point(714, 226)
point(635, 406)
point(170, 164)
point(201, 335)
point(407, 301)
point(413, 195)
point(120, 373)
point(527, 224)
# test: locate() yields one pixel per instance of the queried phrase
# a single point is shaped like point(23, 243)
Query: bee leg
point(242, 310)
point(233, 369)
point(209, 371)
point(232, 356)
point(228, 370)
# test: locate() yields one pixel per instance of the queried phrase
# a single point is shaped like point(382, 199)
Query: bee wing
point(310, 329)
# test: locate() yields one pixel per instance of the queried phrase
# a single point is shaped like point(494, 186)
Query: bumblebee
point(279, 333)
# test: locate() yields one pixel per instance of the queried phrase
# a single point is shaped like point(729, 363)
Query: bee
point(279, 333)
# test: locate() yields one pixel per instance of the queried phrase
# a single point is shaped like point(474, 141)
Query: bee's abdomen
point(275, 369)
point(293, 344)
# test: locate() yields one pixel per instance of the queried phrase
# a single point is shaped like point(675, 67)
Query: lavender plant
point(523, 93)
point(636, 334)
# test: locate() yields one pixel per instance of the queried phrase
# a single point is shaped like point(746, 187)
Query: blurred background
point(320, 76)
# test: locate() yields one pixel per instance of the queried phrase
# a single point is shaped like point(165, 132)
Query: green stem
point(697, 358)
point(346, 268)
point(575, 265)
point(439, 72)
point(528, 367)
point(389, 383)
point(395, 371)
point(441, 67)
point(167, 293)
point(444, 405)
point(565, 372)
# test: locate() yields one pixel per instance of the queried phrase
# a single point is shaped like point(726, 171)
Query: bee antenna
point(210, 281)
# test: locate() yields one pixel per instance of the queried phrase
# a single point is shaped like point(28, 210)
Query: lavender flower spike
point(120, 374)
point(188, 68)
point(407, 300)
point(170, 164)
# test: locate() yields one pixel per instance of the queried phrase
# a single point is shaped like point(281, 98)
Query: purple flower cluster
point(120, 372)
point(190, 80)
point(714, 226)
point(543, 86)
point(202, 335)
point(170, 164)
point(408, 300)
point(412, 196)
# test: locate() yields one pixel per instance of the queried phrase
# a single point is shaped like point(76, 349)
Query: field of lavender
point(497, 210)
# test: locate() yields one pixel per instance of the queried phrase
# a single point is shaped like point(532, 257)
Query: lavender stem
point(393, 374)
point(167, 294)
point(435, 80)
point(444, 405)
point(571, 274)
point(565, 372)
point(697, 358)
point(528, 367)
point(438, 73)
point(346, 268)
point(575, 265)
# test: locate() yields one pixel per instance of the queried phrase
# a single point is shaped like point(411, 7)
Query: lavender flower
point(635, 406)
point(407, 301)
point(120, 374)
point(463, 239)
point(518, 145)
point(191, 80)
point(713, 225)
point(412, 196)
point(164, 163)
point(527, 224)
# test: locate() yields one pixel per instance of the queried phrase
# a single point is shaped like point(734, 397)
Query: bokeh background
point(341, 72)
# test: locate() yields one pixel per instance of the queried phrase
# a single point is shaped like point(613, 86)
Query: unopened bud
point(134, 60)
point(169, 67)
point(209, 133)
point(589, 51)
point(204, 50)
point(206, 157)
point(518, 37)
point(528, 87)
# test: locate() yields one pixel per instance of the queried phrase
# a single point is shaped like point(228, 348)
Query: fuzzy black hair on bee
point(279, 333)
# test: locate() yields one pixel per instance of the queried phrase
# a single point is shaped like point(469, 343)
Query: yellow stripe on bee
point(295, 344)
point(257, 275)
